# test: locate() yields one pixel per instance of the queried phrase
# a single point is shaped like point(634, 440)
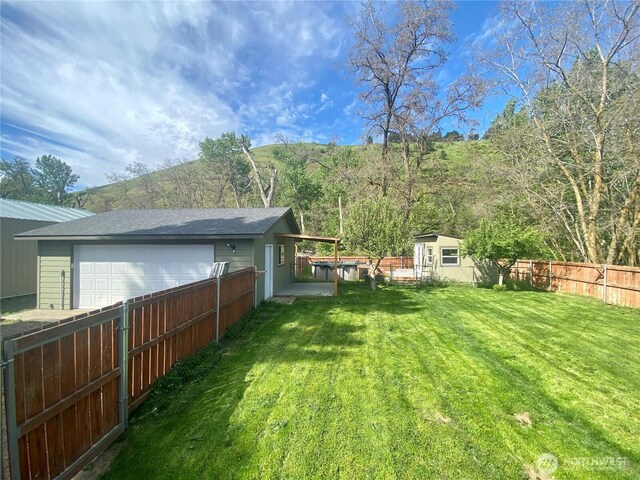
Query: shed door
point(106, 274)
point(268, 271)
point(418, 255)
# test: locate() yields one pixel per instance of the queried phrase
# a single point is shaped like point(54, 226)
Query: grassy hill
point(158, 188)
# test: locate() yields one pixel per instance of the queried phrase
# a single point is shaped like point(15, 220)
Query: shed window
point(429, 256)
point(280, 254)
point(450, 256)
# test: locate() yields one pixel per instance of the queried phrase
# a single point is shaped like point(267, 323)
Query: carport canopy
point(334, 240)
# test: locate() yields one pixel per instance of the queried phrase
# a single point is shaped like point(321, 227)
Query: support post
point(123, 343)
point(531, 271)
point(218, 308)
point(335, 268)
point(604, 284)
point(550, 276)
point(10, 399)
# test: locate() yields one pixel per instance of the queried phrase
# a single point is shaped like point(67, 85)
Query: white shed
point(438, 256)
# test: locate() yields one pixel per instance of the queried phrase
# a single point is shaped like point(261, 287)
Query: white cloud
point(102, 84)
point(324, 97)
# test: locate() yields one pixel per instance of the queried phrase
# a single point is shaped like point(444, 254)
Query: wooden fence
point(387, 264)
point(614, 284)
point(67, 394)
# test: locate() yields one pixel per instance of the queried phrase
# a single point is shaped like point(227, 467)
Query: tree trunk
point(265, 193)
point(302, 222)
point(372, 273)
point(340, 213)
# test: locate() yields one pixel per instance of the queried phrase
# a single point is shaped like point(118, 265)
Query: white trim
point(428, 255)
point(282, 255)
point(268, 271)
point(457, 257)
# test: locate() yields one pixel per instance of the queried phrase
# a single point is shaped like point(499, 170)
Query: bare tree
point(188, 184)
point(573, 68)
point(138, 185)
point(398, 49)
point(266, 191)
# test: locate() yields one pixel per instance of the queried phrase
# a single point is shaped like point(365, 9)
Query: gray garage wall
point(242, 258)
point(282, 274)
point(19, 258)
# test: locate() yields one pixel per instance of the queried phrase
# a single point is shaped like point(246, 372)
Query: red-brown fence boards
point(63, 385)
point(614, 284)
point(387, 264)
point(64, 395)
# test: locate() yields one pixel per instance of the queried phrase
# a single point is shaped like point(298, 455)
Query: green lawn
point(17, 304)
point(405, 383)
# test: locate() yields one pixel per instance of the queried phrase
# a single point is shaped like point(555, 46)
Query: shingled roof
point(188, 223)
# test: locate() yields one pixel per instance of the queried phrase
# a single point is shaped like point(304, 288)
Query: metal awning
point(336, 241)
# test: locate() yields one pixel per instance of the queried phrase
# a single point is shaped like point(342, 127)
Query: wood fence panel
point(387, 264)
point(66, 379)
point(622, 286)
point(170, 325)
point(61, 408)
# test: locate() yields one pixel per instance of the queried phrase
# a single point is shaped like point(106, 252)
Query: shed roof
point(187, 223)
point(423, 235)
point(36, 211)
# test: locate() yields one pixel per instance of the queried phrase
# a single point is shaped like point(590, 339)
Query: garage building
point(110, 257)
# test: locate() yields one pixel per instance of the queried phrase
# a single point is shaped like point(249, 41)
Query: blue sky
point(101, 85)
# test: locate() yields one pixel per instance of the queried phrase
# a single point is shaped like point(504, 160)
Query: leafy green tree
point(572, 67)
point(378, 229)
point(298, 188)
point(453, 136)
point(16, 179)
point(53, 180)
point(224, 156)
point(502, 241)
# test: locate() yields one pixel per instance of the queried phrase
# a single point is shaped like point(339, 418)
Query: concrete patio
point(35, 319)
point(306, 290)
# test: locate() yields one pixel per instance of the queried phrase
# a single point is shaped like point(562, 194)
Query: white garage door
point(105, 274)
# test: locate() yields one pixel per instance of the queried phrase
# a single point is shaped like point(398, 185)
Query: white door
point(268, 271)
point(106, 274)
point(418, 255)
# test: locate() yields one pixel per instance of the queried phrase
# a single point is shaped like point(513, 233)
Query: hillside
point(449, 191)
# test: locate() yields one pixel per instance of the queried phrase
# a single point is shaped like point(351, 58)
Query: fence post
point(531, 271)
point(218, 280)
point(604, 284)
point(123, 342)
point(10, 405)
point(550, 276)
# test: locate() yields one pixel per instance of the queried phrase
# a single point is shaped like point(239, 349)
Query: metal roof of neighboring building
point(36, 211)
point(168, 223)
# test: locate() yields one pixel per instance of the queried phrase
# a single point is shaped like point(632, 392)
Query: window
point(429, 259)
point(281, 254)
point(449, 256)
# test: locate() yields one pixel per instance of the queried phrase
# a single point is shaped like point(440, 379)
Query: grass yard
point(455, 383)
point(17, 304)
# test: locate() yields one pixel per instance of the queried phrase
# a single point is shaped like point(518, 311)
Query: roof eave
point(137, 237)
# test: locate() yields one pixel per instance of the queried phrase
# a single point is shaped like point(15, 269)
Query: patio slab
point(45, 315)
point(36, 319)
point(306, 290)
